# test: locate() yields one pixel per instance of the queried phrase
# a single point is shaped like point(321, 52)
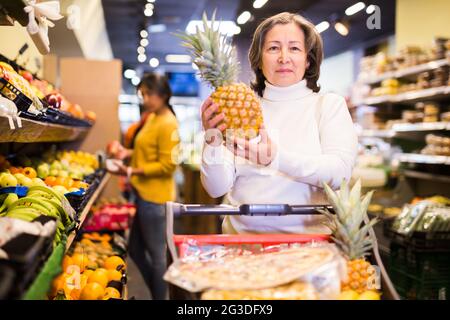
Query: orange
point(15, 170)
point(87, 242)
point(29, 172)
point(99, 276)
point(67, 261)
point(111, 292)
point(114, 263)
point(50, 181)
point(114, 275)
point(92, 291)
point(106, 245)
point(57, 285)
point(88, 272)
point(69, 183)
point(80, 260)
point(60, 181)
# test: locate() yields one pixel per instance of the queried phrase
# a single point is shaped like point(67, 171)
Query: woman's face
point(152, 101)
point(284, 56)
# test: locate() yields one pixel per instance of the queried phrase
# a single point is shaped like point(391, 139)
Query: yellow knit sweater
point(155, 151)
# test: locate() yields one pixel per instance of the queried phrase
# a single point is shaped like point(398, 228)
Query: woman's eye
point(295, 49)
point(274, 48)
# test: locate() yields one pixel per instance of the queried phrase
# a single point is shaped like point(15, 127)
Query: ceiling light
point(148, 12)
point(178, 58)
point(370, 9)
point(244, 17)
point(142, 57)
point(152, 1)
point(157, 28)
point(153, 62)
point(129, 73)
point(259, 3)
point(321, 27)
point(149, 6)
point(355, 8)
point(144, 42)
point(342, 27)
point(144, 34)
point(226, 27)
point(141, 50)
point(135, 81)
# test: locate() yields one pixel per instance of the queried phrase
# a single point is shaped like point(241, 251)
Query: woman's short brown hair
point(313, 47)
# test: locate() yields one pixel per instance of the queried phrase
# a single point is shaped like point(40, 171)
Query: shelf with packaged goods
point(423, 158)
point(409, 97)
point(405, 72)
point(87, 208)
point(35, 131)
point(396, 129)
point(426, 176)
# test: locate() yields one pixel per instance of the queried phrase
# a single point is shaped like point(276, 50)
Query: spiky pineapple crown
point(215, 59)
point(349, 225)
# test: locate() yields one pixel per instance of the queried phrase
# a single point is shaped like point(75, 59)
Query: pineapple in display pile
point(218, 66)
point(350, 232)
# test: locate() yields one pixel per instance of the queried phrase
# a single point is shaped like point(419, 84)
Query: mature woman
point(308, 137)
point(152, 177)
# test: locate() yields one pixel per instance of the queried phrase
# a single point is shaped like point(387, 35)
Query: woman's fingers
point(208, 114)
point(206, 104)
point(212, 123)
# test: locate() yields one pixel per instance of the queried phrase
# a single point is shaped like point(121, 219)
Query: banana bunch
point(39, 201)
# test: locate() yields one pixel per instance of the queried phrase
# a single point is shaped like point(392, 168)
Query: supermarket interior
point(224, 150)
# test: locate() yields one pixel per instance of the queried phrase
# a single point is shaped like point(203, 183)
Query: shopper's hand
point(116, 150)
point(212, 121)
point(261, 153)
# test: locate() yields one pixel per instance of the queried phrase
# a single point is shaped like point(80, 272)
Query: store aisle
point(136, 286)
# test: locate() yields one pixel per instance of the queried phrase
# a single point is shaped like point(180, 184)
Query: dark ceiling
point(125, 19)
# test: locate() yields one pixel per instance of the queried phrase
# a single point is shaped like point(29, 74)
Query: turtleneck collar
point(293, 92)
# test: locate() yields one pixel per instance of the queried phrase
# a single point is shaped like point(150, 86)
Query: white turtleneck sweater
point(315, 144)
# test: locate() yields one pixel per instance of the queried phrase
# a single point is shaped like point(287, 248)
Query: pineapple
point(350, 232)
point(218, 66)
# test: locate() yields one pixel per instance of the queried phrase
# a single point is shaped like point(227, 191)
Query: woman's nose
point(283, 58)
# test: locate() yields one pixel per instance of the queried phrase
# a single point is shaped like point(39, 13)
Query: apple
point(54, 100)
point(56, 165)
point(27, 75)
point(63, 174)
point(10, 199)
point(62, 190)
point(38, 182)
point(8, 180)
point(43, 170)
point(54, 172)
point(25, 181)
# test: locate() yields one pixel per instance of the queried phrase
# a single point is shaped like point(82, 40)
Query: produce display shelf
point(412, 96)
point(422, 158)
point(35, 131)
point(86, 210)
point(405, 72)
point(426, 176)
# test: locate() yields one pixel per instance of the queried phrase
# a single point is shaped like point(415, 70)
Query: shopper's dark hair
point(158, 84)
point(313, 47)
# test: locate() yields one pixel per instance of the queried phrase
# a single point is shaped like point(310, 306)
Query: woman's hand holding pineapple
point(261, 153)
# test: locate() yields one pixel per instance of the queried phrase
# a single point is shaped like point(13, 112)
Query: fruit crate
point(107, 219)
point(21, 191)
point(419, 273)
point(7, 276)
point(177, 243)
point(437, 240)
point(26, 255)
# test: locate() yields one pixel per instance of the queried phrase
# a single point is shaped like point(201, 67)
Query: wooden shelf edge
point(34, 131)
point(429, 93)
point(86, 210)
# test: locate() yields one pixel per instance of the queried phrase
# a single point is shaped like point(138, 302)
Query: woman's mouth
point(283, 70)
